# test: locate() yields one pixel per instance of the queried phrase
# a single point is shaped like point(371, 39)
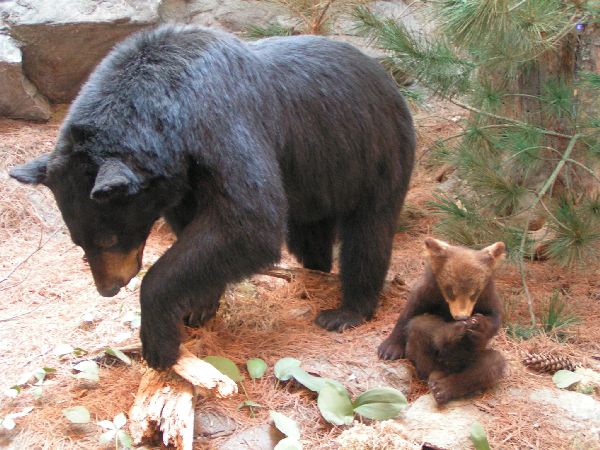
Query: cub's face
point(461, 273)
point(106, 208)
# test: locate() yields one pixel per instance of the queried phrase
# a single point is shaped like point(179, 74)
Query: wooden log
point(164, 405)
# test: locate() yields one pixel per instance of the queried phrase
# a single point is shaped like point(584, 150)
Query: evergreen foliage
point(478, 58)
point(529, 176)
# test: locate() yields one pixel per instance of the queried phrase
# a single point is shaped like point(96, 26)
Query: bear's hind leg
point(480, 375)
point(366, 249)
point(312, 243)
point(420, 348)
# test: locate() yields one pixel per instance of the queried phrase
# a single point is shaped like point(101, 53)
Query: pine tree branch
point(508, 119)
point(549, 182)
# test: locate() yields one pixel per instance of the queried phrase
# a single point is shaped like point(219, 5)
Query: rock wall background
point(49, 47)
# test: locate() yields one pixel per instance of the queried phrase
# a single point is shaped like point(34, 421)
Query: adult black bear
point(234, 144)
point(451, 315)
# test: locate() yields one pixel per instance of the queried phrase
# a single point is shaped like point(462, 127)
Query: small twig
point(39, 247)
point(8, 319)
point(289, 274)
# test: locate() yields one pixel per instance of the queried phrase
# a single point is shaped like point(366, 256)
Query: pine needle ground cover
point(48, 301)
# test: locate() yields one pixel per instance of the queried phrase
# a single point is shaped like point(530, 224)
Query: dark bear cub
point(451, 315)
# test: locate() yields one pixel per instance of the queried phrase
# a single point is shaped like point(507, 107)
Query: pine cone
point(547, 363)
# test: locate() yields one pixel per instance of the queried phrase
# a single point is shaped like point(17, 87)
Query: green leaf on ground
point(287, 426)
point(479, 437)
point(288, 444)
point(225, 366)
point(77, 414)
point(88, 370)
point(256, 367)
point(283, 368)
point(312, 382)
point(125, 439)
point(565, 378)
point(118, 354)
point(380, 395)
point(335, 405)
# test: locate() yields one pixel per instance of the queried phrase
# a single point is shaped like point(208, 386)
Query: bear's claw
point(440, 391)
point(339, 319)
point(390, 349)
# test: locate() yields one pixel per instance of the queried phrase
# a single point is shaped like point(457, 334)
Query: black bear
point(240, 147)
point(451, 315)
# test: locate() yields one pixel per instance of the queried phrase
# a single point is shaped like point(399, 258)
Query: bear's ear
point(435, 248)
point(32, 172)
point(494, 253)
point(114, 179)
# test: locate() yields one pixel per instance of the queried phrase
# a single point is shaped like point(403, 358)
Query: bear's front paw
point(441, 389)
point(339, 319)
point(159, 353)
point(476, 327)
point(391, 349)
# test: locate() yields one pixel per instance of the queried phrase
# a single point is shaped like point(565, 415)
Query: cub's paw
point(457, 331)
point(391, 349)
point(197, 318)
point(476, 327)
point(441, 389)
point(475, 322)
point(339, 319)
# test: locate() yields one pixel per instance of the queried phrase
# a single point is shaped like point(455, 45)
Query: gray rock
point(230, 15)
point(367, 373)
point(447, 427)
point(19, 98)
point(568, 411)
point(209, 424)
point(263, 437)
point(62, 41)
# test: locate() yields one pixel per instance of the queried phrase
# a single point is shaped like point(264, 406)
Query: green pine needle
point(576, 240)
point(556, 316)
point(269, 30)
point(433, 62)
point(557, 98)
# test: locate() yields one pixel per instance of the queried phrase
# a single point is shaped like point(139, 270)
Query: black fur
point(234, 143)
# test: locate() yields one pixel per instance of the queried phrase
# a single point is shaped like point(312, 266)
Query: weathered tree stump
point(164, 405)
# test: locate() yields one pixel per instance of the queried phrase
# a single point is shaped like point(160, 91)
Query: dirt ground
point(47, 299)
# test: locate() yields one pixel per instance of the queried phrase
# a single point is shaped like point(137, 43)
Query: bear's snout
point(109, 291)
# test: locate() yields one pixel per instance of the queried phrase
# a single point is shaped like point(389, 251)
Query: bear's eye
point(449, 292)
point(475, 294)
point(106, 241)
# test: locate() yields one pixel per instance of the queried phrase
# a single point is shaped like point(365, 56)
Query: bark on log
point(163, 409)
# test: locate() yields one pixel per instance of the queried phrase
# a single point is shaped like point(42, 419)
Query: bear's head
point(461, 273)
point(108, 205)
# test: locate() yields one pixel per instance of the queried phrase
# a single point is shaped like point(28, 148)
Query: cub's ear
point(115, 179)
point(436, 248)
point(32, 172)
point(494, 253)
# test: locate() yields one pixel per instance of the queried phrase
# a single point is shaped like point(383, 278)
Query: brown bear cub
point(451, 315)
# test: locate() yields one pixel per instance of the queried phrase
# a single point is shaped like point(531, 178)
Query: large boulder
point(62, 40)
point(19, 98)
point(230, 15)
